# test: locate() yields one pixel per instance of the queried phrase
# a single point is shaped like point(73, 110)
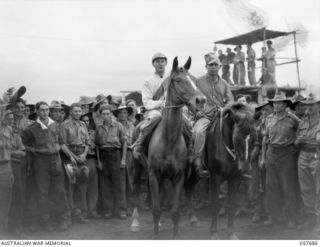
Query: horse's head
point(242, 118)
point(184, 87)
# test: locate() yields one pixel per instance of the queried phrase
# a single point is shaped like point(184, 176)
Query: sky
point(63, 49)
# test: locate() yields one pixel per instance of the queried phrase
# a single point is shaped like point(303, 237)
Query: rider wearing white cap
point(153, 84)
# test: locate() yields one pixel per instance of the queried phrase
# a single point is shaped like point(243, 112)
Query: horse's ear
point(188, 64)
point(175, 64)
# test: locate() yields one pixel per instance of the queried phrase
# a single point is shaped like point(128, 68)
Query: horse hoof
point(233, 236)
point(194, 222)
point(215, 236)
point(161, 228)
point(134, 228)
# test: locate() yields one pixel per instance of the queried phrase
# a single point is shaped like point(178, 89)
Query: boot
point(199, 168)
point(309, 223)
point(138, 146)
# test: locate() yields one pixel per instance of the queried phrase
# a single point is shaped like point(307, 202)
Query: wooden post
point(297, 60)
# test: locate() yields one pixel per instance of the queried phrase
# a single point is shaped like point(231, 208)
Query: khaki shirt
point(74, 133)
point(17, 145)
point(5, 143)
point(218, 94)
point(110, 136)
point(129, 130)
point(281, 130)
point(92, 144)
point(44, 141)
point(20, 124)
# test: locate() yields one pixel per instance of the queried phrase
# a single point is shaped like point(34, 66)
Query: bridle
point(178, 96)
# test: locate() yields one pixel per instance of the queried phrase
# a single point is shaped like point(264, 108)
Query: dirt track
point(116, 229)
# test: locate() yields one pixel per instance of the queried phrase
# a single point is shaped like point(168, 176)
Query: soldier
point(86, 104)
point(281, 192)
point(18, 189)
point(6, 175)
point(133, 104)
point(75, 145)
point(42, 139)
point(122, 114)
point(259, 173)
point(308, 141)
point(239, 70)
point(110, 141)
point(55, 109)
point(251, 57)
point(218, 94)
point(92, 185)
point(297, 105)
point(102, 100)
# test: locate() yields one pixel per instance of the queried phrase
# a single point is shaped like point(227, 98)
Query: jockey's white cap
point(158, 55)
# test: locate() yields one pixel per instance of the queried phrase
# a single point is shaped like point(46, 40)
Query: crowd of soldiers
point(63, 164)
point(238, 59)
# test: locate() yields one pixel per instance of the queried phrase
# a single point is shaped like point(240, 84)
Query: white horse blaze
point(192, 83)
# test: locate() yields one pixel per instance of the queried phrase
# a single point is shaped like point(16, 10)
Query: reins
point(178, 96)
point(230, 151)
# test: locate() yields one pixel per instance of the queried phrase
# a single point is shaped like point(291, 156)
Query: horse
point(226, 152)
point(167, 150)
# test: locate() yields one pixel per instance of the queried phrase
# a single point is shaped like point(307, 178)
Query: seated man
point(218, 94)
point(153, 96)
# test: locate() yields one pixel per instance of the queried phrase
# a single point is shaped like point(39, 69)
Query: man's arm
point(147, 98)
point(228, 95)
point(123, 140)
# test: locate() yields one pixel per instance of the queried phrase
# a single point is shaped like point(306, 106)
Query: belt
point(77, 149)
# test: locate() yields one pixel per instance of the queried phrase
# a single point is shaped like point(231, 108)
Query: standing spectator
point(281, 129)
point(92, 185)
point(308, 141)
point(86, 104)
point(122, 114)
point(251, 66)
point(133, 104)
point(55, 109)
point(225, 67)
point(6, 175)
point(102, 100)
point(19, 175)
point(239, 70)
point(258, 186)
point(229, 60)
point(110, 141)
point(42, 139)
point(271, 63)
point(75, 145)
point(298, 106)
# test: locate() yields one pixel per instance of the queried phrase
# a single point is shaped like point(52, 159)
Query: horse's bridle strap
point(230, 152)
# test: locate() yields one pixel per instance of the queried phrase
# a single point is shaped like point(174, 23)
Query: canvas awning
point(253, 37)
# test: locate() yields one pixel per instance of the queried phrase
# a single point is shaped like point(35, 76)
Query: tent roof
point(252, 37)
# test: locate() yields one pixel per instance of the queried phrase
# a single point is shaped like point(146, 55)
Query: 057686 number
point(307, 242)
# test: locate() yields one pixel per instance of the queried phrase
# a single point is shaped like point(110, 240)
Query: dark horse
point(226, 152)
point(167, 150)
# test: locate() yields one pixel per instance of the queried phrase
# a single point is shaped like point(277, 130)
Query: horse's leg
point(233, 187)
point(156, 210)
point(189, 185)
point(175, 205)
point(137, 171)
point(215, 204)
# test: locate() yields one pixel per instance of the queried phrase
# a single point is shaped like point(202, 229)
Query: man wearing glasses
point(218, 94)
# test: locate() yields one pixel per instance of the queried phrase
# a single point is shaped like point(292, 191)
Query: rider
point(156, 87)
point(218, 94)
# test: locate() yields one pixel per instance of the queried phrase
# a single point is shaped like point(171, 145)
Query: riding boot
point(199, 168)
point(138, 146)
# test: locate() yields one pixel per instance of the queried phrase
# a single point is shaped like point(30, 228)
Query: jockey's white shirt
point(151, 85)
